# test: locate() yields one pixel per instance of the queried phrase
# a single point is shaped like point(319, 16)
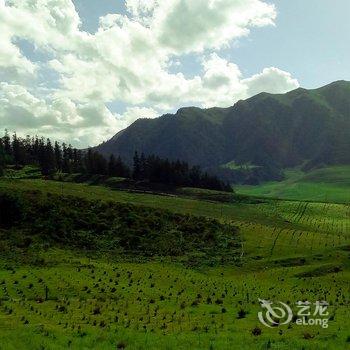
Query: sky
point(79, 71)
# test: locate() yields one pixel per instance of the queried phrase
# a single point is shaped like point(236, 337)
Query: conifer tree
point(136, 174)
point(58, 156)
point(47, 163)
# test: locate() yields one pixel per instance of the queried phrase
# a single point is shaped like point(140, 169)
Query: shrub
point(241, 314)
point(256, 331)
point(11, 210)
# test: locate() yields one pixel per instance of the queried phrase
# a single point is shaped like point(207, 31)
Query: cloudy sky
point(81, 70)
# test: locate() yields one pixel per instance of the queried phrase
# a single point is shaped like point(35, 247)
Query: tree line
point(174, 173)
point(53, 157)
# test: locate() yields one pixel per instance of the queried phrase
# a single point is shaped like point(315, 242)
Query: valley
point(82, 298)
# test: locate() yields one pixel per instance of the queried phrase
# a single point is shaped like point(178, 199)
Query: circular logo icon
point(274, 315)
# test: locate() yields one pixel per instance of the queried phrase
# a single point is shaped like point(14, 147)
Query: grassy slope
point(323, 185)
point(174, 203)
point(283, 240)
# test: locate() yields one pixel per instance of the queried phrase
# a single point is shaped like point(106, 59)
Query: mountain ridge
point(271, 131)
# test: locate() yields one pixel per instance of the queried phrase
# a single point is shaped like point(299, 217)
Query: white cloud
point(142, 9)
point(133, 113)
point(272, 80)
point(187, 26)
point(127, 60)
point(222, 83)
point(21, 111)
point(11, 57)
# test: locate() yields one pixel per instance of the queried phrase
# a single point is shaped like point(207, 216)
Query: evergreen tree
point(58, 156)
point(29, 155)
point(100, 164)
point(136, 174)
point(112, 166)
point(122, 168)
point(66, 166)
point(143, 167)
point(89, 163)
point(47, 163)
point(78, 166)
point(36, 148)
point(16, 150)
point(7, 144)
point(2, 158)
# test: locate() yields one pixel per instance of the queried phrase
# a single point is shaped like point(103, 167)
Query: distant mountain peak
point(269, 130)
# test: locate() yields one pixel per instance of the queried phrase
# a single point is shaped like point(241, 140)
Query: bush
point(256, 331)
point(11, 210)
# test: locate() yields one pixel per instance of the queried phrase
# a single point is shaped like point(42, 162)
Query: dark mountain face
point(189, 135)
point(268, 131)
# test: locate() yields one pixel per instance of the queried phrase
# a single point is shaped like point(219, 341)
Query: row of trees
point(54, 157)
point(174, 173)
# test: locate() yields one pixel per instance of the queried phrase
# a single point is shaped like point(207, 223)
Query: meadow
point(58, 296)
point(330, 184)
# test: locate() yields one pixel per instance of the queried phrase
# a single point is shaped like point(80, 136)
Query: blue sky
point(82, 70)
point(311, 40)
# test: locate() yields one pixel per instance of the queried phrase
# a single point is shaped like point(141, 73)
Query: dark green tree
point(136, 173)
point(58, 156)
point(7, 144)
point(2, 158)
point(112, 166)
point(66, 165)
point(47, 159)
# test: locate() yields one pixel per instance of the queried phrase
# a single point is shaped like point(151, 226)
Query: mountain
point(261, 135)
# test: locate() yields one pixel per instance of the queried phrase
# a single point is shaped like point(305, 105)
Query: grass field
point(291, 251)
point(321, 185)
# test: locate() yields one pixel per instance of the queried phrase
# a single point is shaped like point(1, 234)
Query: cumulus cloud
point(221, 83)
point(272, 80)
point(128, 60)
point(187, 26)
point(133, 113)
point(21, 111)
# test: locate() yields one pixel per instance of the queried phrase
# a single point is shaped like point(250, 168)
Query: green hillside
point(111, 227)
point(330, 184)
point(58, 293)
